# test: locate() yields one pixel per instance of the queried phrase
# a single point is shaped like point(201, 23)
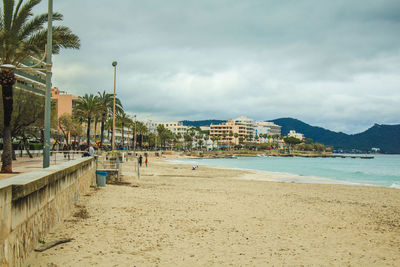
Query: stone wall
point(32, 203)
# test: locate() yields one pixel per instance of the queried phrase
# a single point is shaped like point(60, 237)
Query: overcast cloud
point(334, 64)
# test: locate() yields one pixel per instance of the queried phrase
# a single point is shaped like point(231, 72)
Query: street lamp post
point(134, 139)
point(46, 148)
point(114, 64)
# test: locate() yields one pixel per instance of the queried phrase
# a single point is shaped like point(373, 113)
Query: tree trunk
point(95, 127)
point(26, 145)
point(21, 147)
point(14, 156)
point(122, 134)
point(88, 132)
point(7, 80)
point(101, 132)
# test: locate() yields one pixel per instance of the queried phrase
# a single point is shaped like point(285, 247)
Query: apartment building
point(64, 102)
point(266, 127)
point(151, 126)
point(248, 122)
point(229, 132)
point(33, 80)
point(292, 133)
point(175, 127)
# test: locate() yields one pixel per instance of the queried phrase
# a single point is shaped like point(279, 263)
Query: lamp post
point(134, 139)
point(114, 64)
point(46, 148)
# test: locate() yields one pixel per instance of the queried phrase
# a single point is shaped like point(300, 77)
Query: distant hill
point(385, 137)
point(201, 123)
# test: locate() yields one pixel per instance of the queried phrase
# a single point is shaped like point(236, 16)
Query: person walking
point(146, 161)
point(140, 159)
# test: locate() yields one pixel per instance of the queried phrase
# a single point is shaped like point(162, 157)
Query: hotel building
point(226, 131)
point(64, 102)
point(33, 81)
point(175, 127)
point(243, 127)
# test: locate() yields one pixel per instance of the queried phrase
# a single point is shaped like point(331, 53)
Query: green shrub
point(35, 146)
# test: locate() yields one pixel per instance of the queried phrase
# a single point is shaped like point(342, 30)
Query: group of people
point(140, 160)
point(89, 151)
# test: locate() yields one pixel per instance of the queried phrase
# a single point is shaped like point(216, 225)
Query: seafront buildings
point(229, 132)
point(244, 128)
point(64, 102)
point(33, 80)
point(175, 127)
point(292, 133)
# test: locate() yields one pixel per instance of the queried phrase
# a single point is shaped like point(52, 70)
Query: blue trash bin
point(101, 178)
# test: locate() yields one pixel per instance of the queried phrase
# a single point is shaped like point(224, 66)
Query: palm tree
point(141, 129)
point(87, 107)
point(124, 120)
point(23, 36)
point(106, 102)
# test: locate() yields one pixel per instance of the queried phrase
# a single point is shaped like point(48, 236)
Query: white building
point(270, 127)
point(175, 127)
point(248, 122)
point(151, 126)
point(292, 133)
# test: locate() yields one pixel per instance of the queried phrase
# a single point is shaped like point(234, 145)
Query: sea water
point(382, 170)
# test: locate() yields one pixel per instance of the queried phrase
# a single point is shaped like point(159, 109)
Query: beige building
point(64, 102)
point(227, 131)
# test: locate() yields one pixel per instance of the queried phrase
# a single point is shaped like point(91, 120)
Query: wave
point(395, 185)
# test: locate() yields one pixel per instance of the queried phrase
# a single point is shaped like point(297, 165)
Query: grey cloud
point(329, 63)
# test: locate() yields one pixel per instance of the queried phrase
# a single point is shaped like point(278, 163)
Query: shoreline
point(175, 216)
point(288, 177)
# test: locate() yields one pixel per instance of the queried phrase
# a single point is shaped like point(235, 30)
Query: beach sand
point(173, 216)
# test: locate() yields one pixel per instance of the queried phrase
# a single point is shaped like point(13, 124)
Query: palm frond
point(23, 15)
point(62, 38)
point(8, 6)
point(1, 19)
point(32, 26)
point(17, 8)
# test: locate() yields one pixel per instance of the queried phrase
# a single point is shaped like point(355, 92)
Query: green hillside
point(385, 137)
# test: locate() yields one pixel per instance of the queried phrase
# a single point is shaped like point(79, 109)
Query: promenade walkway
point(26, 164)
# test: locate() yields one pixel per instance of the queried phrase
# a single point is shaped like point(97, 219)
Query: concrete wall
point(32, 203)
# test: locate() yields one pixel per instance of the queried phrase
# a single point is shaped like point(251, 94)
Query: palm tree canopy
point(124, 119)
point(106, 101)
point(22, 35)
point(88, 106)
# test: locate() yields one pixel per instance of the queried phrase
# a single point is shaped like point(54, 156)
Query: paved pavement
point(26, 164)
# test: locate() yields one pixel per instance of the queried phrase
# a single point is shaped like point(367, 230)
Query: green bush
point(35, 146)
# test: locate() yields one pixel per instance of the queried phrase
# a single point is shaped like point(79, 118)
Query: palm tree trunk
point(7, 80)
point(123, 134)
point(102, 132)
point(88, 131)
point(95, 127)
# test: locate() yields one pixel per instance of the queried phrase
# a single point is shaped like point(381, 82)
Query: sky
point(334, 64)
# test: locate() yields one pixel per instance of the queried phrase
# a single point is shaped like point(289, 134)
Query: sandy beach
point(174, 216)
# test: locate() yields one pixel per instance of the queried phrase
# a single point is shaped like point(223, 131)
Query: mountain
point(385, 137)
point(202, 123)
